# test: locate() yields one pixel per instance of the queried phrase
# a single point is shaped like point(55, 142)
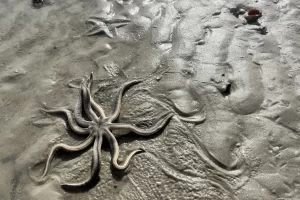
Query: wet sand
point(232, 85)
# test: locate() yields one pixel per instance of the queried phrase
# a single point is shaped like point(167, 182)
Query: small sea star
point(96, 127)
point(104, 25)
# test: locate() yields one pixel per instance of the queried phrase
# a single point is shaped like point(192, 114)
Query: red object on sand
point(253, 15)
point(254, 12)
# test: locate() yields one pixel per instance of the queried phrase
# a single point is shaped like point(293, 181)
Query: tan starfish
point(97, 126)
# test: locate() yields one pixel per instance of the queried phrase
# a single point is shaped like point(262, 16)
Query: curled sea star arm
point(78, 113)
point(87, 105)
point(115, 152)
point(98, 109)
point(66, 147)
point(72, 122)
point(95, 167)
point(117, 108)
point(94, 105)
point(144, 132)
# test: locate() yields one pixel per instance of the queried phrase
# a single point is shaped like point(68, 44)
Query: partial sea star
point(96, 127)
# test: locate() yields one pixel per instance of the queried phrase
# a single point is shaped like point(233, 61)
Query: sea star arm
point(78, 112)
point(98, 109)
point(143, 132)
point(79, 147)
point(87, 105)
point(94, 105)
point(95, 167)
point(72, 123)
point(115, 152)
point(117, 108)
point(194, 119)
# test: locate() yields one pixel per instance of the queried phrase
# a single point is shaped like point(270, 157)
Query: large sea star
point(97, 126)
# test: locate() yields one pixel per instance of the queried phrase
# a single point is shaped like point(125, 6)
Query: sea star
point(105, 25)
point(96, 127)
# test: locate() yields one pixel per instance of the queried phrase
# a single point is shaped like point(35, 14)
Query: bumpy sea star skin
point(97, 126)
